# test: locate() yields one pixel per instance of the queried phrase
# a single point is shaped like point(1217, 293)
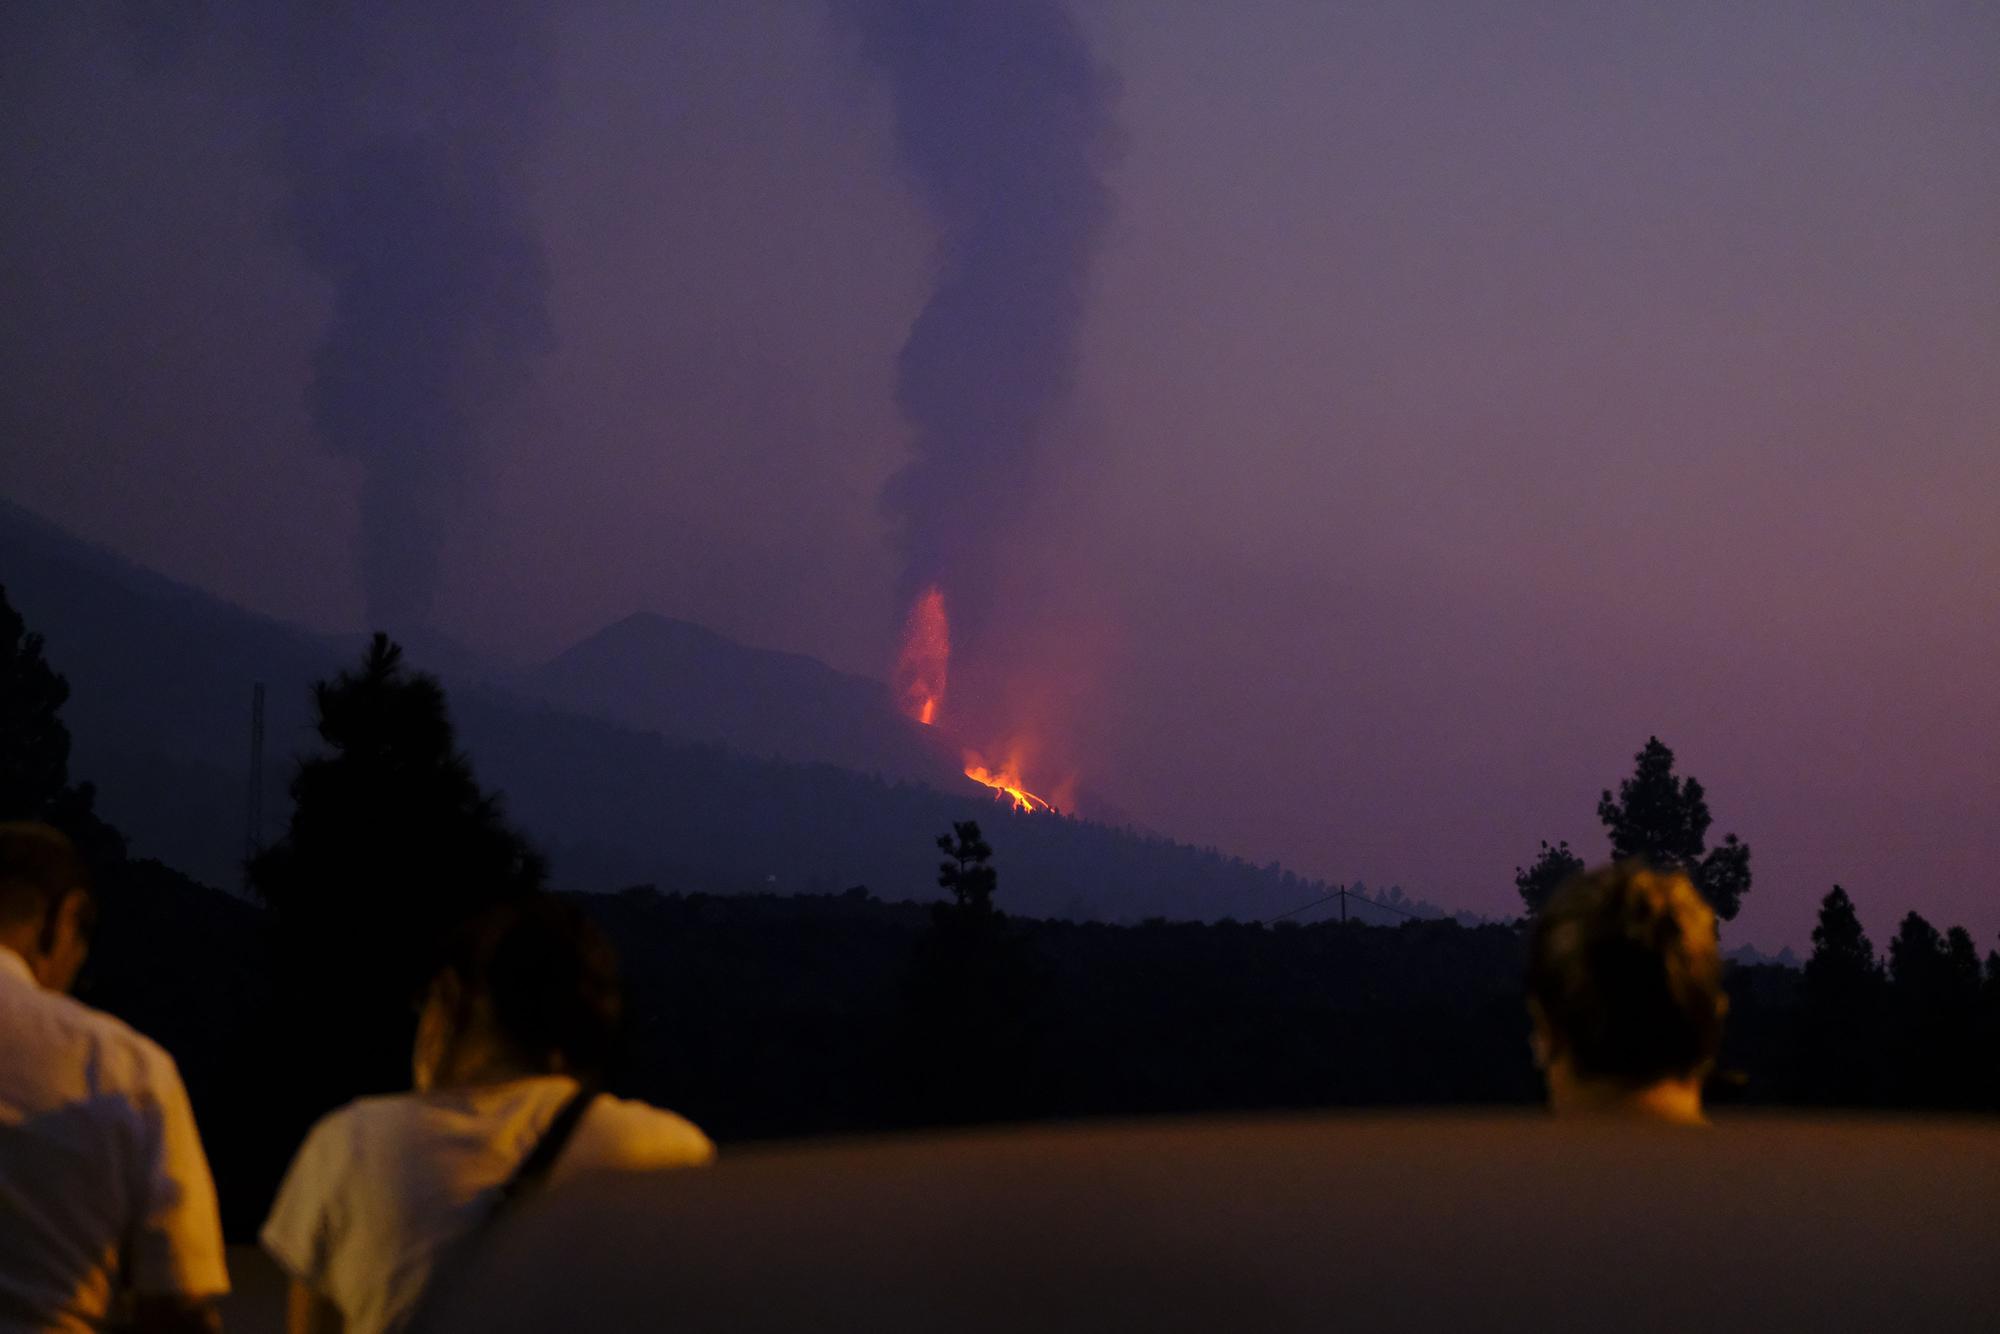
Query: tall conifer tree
point(35, 744)
point(1661, 818)
point(391, 843)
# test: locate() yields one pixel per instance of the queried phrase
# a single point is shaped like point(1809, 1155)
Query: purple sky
point(1465, 394)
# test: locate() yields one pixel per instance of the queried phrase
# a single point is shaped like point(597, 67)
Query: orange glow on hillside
point(925, 658)
point(1005, 782)
point(923, 664)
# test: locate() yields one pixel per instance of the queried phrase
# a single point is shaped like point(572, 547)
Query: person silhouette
point(514, 1034)
point(107, 1207)
point(1625, 994)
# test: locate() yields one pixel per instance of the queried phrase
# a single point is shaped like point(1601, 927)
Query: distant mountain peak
point(161, 677)
point(680, 678)
point(651, 631)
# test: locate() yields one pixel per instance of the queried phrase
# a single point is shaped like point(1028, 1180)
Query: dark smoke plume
point(401, 131)
point(1003, 123)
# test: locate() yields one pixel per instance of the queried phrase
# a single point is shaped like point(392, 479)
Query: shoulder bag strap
point(532, 1170)
point(540, 1160)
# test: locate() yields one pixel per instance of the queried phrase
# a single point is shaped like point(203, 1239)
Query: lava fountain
point(922, 668)
point(922, 664)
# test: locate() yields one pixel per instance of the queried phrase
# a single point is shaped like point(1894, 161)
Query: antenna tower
point(253, 797)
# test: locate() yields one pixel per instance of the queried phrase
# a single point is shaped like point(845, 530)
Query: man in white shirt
point(516, 1024)
point(106, 1203)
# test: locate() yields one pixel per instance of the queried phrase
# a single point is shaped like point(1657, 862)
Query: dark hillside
point(161, 678)
point(683, 680)
point(619, 807)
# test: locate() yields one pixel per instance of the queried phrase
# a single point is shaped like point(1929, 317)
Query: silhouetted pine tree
point(972, 997)
point(1989, 1033)
point(34, 747)
point(1966, 1078)
point(1662, 819)
point(1917, 966)
point(966, 873)
point(1934, 999)
point(391, 843)
point(1536, 883)
point(1961, 968)
point(1843, 1007)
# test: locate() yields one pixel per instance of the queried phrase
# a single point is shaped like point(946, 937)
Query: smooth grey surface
point(1410, 1222)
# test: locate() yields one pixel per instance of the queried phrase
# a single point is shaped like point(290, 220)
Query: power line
point(1337, 894)
point(1377, 903)
point(1343, 894)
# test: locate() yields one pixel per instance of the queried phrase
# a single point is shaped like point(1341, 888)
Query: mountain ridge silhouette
point(161, 676)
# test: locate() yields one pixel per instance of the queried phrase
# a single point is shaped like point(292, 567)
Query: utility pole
point(1343, 903)
point(253, 796)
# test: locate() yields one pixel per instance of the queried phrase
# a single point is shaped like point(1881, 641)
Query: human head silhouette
point(1625, 993)
point(46, 907)
point(527, 987)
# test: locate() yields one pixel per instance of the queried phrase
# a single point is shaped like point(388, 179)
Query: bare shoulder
point(636, 1135)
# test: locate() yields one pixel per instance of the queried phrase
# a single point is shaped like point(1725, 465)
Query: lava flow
point(922, 666)
point(1005, 783)
point(925, 656)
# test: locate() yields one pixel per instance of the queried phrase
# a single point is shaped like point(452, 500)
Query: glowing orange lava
point(1006, 782)
point(922, 664)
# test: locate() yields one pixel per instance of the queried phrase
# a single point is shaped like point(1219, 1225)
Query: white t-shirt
point(103, 1182)
point(382, 1187)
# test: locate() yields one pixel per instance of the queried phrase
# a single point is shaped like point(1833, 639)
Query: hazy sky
point(1464, 393)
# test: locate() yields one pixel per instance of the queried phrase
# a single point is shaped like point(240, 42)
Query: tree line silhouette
point(764, 1015)
point(1656, 817)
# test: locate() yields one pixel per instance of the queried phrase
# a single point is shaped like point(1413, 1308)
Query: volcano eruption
point(1003, 126)
point(923, 666)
